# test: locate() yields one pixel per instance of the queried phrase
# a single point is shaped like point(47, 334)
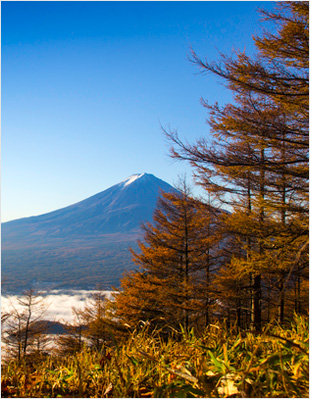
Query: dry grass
point(217, 363)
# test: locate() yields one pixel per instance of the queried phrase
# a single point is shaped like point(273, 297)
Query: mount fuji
point(83, 244)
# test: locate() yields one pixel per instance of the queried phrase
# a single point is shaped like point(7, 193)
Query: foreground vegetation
point(215, 363)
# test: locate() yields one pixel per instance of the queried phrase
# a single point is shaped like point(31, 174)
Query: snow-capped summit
point(132, 178)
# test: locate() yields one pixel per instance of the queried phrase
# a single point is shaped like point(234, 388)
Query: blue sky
point(87, 85)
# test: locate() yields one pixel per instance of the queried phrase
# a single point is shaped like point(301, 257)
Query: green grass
point(215, 363)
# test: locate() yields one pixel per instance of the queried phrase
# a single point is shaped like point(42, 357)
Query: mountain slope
point(82, 244)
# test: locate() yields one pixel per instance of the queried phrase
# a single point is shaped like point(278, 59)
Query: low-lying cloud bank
point(59, 303)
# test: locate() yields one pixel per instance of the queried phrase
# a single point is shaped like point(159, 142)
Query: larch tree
point(95, 319)
point(73, 340)
point(258, 160)
point(176, 259)
point(24, 327)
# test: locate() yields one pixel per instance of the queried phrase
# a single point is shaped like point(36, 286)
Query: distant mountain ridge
point(82, 244)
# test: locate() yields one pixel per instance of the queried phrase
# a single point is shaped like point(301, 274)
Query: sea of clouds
point(59, 303)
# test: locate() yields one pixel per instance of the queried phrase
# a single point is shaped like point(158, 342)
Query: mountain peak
point(81, 243)
point(87, 242)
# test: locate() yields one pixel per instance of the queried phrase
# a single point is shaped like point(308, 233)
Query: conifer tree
point(258, 161)
point(173, 285)
point(94, 319)
point(24, 325)
point(72, 341)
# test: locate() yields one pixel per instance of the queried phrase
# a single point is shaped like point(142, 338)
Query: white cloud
point(60, 304)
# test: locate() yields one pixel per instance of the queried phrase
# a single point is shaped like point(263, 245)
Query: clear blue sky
point(86, 86)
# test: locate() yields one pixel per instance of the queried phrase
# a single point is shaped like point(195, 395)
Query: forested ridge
point(218, 305)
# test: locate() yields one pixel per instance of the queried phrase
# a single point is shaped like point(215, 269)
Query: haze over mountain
point(82, 244)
